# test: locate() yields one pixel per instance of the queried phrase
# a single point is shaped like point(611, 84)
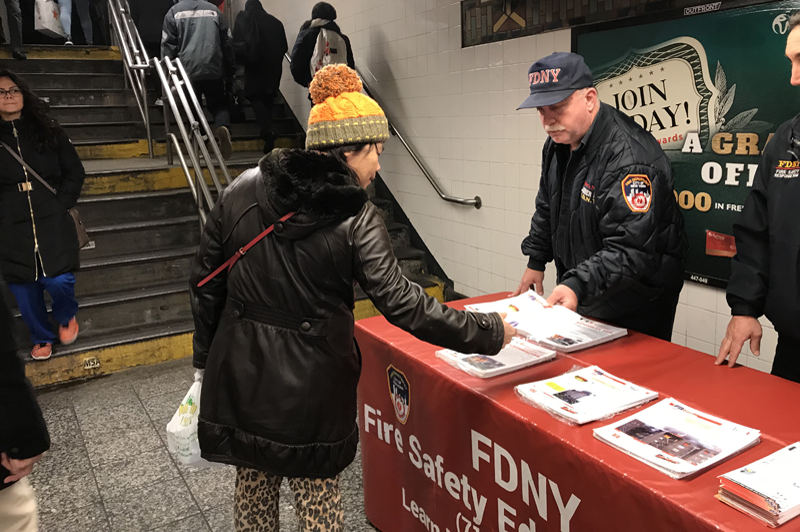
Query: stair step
point(117, 112)
point(412, 261)
point(139, 237)
point(385, 208)
point(64, 53)
point(101, 315)
point(135, 207)
point(133, 271)
point(62, 97)
point(400, 235)
point(48, 66)
point(133, 147)
point(76, 80)
point(123, 336)
point(101, 131)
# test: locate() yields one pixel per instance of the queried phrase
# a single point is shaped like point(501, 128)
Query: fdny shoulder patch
point(400, 391)
point(638, 192)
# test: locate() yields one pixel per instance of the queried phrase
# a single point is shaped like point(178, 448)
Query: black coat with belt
point(275, 334)
point(263, 77)
point(23, 432)
point(607, 213)
point(35, 226)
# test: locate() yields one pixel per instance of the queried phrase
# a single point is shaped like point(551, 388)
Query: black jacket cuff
point(535, 264)
point(574, 284)
point(745, 309)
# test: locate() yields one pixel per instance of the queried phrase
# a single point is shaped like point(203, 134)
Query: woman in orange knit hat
point(275, 332)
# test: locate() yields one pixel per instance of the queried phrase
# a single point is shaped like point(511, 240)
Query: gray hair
point(794, 21)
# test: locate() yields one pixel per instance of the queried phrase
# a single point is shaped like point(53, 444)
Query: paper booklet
point(554, 327)
point(768, 490)
point(585, 395)
point(520, 353)
point(676, 439)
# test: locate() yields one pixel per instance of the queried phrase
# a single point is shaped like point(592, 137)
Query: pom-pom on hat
point(341, 114)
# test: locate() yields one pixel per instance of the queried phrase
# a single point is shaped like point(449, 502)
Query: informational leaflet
point(520, 353)
point(768, 489)
point(555, 327)
point(585, 395)
point(677, 439)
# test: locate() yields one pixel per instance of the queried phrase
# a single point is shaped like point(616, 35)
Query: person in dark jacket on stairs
point(274, 334)
point(323, 15)
point(23, 434)
point(38, 241)
point(14, 15)
point(259, 43)
point(148, 16)
point(196, 32)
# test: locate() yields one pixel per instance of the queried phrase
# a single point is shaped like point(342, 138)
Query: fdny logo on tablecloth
point(400, 391)
point(638, 192)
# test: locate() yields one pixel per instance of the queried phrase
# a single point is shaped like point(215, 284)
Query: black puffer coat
point(276, 333)
point(606, 212)
point(54, 231)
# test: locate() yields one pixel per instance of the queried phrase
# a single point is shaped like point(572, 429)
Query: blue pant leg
point(65, 14)
point(30, 300)
point(62, 291)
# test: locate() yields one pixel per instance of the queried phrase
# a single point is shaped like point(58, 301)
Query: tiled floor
point(108, 469)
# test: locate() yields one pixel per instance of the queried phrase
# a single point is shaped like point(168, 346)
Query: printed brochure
point(677, 439)
point(520, 353)
point(585, 395)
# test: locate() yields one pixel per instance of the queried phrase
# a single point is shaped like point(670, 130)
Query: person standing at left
point(23, 435)
point(606, 213)
point(65, 15)
point(14, 29)
point(38, 242)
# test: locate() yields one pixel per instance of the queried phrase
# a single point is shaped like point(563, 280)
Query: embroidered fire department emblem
point(638, 192)
point(400, 391)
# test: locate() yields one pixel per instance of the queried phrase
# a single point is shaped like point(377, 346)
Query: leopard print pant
point(318, 502)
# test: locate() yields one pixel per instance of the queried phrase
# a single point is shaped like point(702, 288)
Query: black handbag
point(80, 230)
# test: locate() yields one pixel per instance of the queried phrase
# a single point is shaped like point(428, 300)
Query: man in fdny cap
point(605, 211)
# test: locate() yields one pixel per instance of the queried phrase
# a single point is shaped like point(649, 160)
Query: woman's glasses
point(14, 92)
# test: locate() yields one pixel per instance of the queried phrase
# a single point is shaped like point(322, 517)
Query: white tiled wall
point(457, 108)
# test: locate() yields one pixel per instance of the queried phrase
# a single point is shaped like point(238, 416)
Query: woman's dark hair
point(34, 111)
point(339, 152)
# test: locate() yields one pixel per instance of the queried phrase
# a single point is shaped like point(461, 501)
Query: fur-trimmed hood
point(311, 182)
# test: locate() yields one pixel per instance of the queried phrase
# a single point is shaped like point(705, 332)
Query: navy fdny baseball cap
point(555, 77)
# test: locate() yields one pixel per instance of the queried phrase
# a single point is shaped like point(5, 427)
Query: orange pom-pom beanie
point(341, 114)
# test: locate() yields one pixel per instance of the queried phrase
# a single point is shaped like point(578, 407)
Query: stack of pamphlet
point(676, 439)
point(520, 353)
point(768, 490)
point(585, 395)
point(554, 327)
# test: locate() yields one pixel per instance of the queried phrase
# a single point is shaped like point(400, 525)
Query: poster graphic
point(712, 89)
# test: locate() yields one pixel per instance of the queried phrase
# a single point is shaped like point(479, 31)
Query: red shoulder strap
point(239, 254)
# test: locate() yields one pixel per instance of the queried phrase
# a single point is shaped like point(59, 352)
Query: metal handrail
point(475, 202)
point(135, 60)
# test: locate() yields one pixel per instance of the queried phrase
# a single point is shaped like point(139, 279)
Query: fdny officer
point(605, 211)
point(765, 273)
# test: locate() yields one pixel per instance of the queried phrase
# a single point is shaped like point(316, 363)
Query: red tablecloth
point(466, 440)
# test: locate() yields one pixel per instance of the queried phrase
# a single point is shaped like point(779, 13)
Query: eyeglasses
point(13, 92)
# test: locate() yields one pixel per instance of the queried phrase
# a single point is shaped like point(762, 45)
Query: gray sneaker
point(224, 139)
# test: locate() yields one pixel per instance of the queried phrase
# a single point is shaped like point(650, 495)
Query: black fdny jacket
point(617, 238)
point(765, 273)
point(275, 334)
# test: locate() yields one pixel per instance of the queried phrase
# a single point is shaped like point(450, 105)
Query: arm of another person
point(749, 282)
point(23, 432)
point(629, 238)
point(72, 172)
point(208, 301)
point(406, 305)
point(538, 245)
point(170, 40)
point(301, 57)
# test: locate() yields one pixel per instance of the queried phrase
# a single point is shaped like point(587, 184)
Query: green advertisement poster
point(712, 88)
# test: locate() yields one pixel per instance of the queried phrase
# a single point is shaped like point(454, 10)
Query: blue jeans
point(65, 14)
point(30, 300)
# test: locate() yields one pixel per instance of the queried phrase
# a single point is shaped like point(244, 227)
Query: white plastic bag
point(47, 19)
point(182, 428)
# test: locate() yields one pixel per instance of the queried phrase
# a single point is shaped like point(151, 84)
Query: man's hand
point(564, 296)
point(740, 329)
point(531, 278)
point(18, 468)
point(508, 331)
